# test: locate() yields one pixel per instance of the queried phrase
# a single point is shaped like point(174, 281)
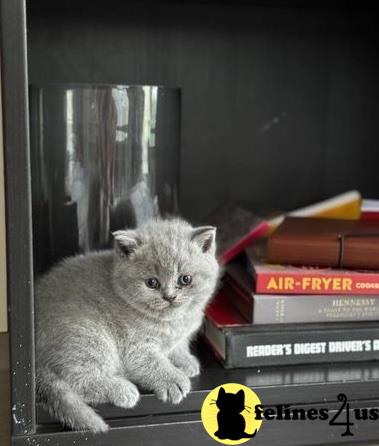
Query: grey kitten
point(109, 320)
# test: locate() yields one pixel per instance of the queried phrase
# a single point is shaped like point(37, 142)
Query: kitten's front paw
point(189, 364)
point(174, 388)
point(124, 393)
point(193, 367)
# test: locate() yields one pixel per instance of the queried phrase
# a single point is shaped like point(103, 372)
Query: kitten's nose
point(169, 298)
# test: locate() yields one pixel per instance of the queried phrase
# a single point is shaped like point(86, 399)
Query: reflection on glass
point(103, 158)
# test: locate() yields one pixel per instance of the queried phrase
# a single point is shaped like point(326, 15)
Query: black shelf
point(316, 64)
point(301, 386)
point(274, 385)
point(279, 104)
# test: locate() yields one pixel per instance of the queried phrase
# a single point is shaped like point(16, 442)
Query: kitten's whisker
point(248, 411)
point(249, 407)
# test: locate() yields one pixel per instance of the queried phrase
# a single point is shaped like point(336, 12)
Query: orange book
point(270, 278)
point(280, 279)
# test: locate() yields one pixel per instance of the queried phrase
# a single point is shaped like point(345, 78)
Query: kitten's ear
point(221, 393)
point(241, 395)
point(205, 237)
point(126, 242)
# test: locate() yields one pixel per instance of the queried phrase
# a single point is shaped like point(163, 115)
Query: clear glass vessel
point(103, 157)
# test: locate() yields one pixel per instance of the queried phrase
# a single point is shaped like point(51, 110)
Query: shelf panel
point(279, 105)
point(274, 385)
point(187, 430)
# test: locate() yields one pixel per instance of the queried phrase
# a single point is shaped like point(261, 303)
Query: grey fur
point(101, 330)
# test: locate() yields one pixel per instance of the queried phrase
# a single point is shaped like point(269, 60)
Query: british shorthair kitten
point(109, 321)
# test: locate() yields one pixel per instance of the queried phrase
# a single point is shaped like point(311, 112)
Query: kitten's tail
point(66, 405)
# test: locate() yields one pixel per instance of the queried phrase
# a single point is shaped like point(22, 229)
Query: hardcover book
point(287, 279)
point(277, 279)
point(325, 243)
point(238, 228)
point(346, 206)
point(223, 312)
point(257, 346)
point(286, 309)
point(370, 210)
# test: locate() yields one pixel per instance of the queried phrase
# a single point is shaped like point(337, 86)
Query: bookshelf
point(3, 275)
point(279, 109)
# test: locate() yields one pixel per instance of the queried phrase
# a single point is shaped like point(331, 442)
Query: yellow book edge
point(344, 206)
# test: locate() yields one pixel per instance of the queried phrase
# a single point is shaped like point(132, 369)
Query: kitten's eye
point(153, 283)
point(185, 280)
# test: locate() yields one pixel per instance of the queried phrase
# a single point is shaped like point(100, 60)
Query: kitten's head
point(231, 402)
point(165, 266)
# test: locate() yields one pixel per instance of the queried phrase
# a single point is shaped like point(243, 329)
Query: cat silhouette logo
point(228, 416)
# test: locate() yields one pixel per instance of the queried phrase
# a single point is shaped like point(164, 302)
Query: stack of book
point(309, 293)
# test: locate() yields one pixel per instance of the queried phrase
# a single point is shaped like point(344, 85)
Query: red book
point(280, 279)
point(223, 313)
point(294, 308)
point(370, 216)
point(370, 210)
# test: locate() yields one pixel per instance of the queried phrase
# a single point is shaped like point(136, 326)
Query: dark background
point(279, 99)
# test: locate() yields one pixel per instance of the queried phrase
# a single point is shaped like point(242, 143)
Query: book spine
point(239, 298)
point(300, 347)
point(312, 282)
point(370, 216)
point(270, 309)
point(285, 309)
